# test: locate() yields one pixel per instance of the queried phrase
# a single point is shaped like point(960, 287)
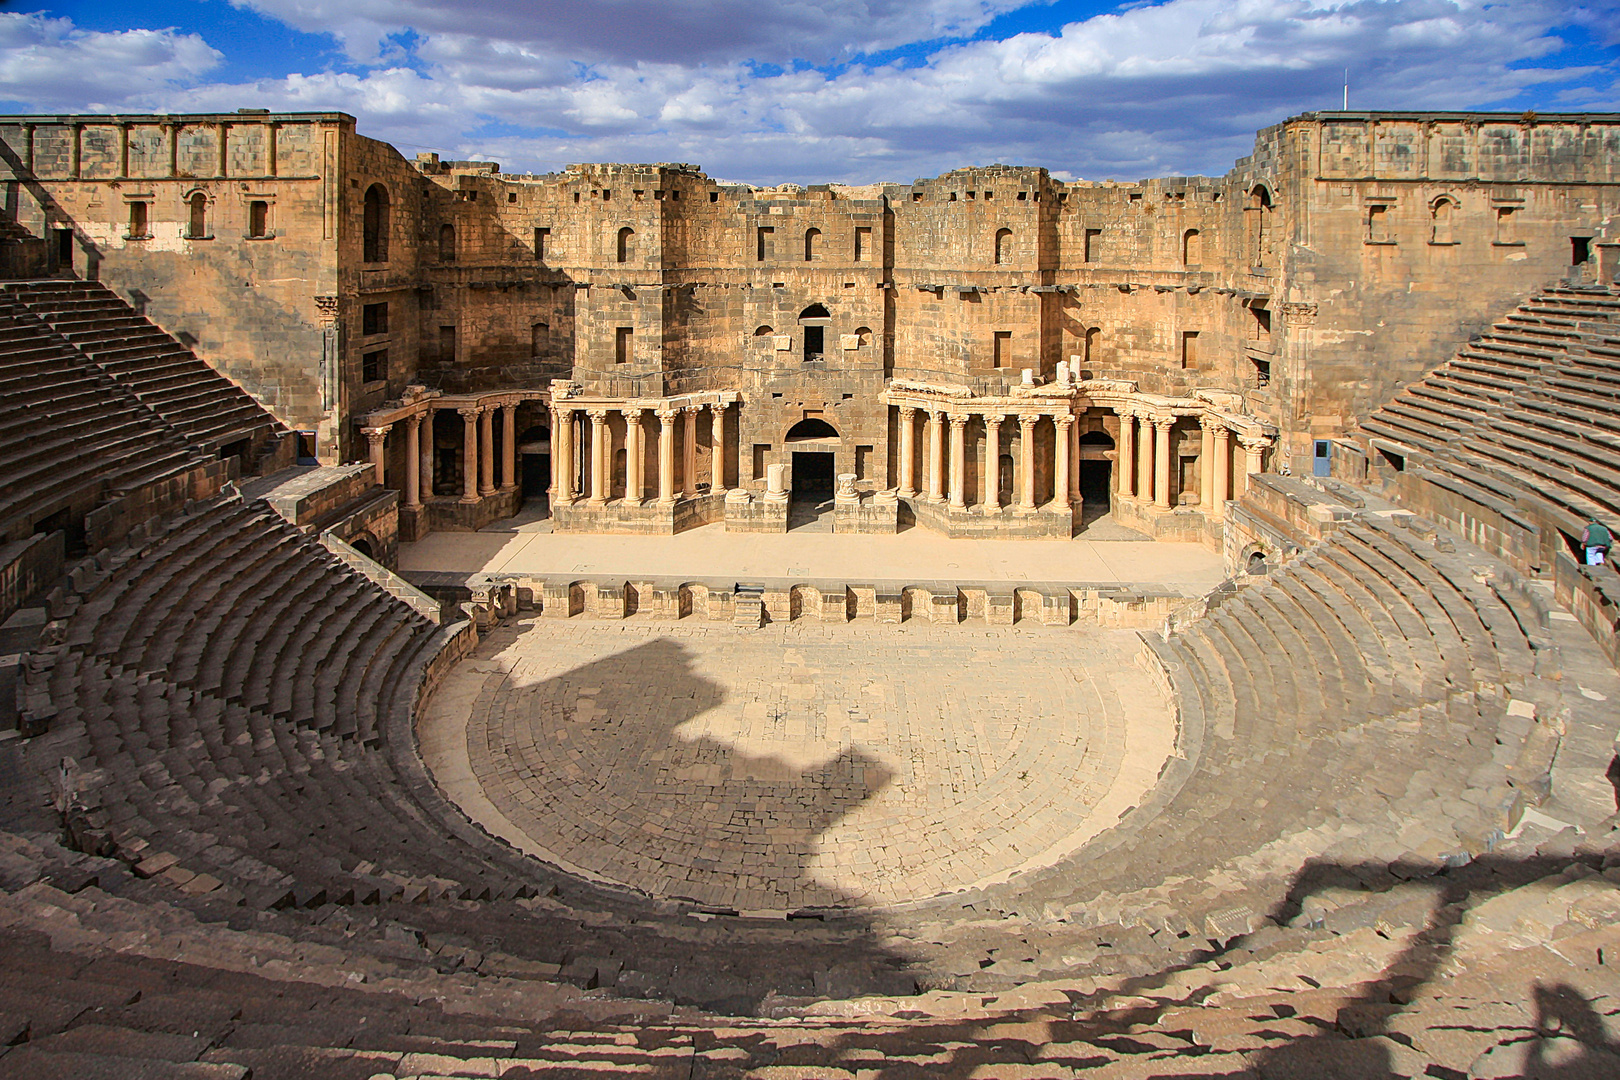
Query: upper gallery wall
point(325, 272)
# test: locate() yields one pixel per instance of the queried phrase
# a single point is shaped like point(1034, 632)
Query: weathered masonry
point(990, 352)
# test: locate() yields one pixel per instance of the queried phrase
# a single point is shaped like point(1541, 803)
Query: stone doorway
point(811, 509)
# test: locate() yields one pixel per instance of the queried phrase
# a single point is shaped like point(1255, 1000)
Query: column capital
point(415, 419)
point(375, 433)
point(1063, 420)
point(995, 418)
point(908, 412)
point(1253, 442)
point(1223, 433)
point(469, 412)
point(959, 420)
point(598, 416)
point(1027, 420)
point(667, 416)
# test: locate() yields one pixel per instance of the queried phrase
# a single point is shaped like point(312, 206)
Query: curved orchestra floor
point(800, 765)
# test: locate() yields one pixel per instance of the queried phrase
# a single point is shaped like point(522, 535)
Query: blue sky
point(855, 91)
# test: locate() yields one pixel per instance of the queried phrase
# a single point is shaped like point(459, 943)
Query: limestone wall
point(249, 304)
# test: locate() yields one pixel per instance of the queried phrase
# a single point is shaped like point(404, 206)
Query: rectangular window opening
point(374, 366)
point(760, 450)
point(447, 344)
point(1093, 250)
point(1262, 372)
point(623, 344)
point(863, 243)
point(814, 336)
point(258, 219)
point(1580, 250)
point(374, 318)
point(1392, 459)
point(764, 242)
point(540, 238)
point(138, 221)
point(1001, 349)
point(1189, 350)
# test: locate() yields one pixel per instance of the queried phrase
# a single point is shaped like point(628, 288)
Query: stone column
point(689, 453)
point(1074, 461)
point(717, 449)
point(1125, 458)
point(374, 439)
point(666, 456)
point(908, 452)
point(936, 484)
point(469, 454)
point(992, 462)
point(600, 456)
point(1061, 450)
point(425, 445)
point(413, 461)
point(1161, 463)
point(1144, 459)
point(958, 468)
point(1026, 463)
point(1253, 461)
point(562, 456)
point(1206, 462)
point(486, 446)
point(509, 447)
point(1222, 480)
point(634, 454)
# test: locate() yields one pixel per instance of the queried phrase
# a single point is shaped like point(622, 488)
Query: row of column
point(940, 472)
point(1142, 468)
point(567, 462)
point(477, 448)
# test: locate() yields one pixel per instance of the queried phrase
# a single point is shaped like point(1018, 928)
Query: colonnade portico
point(577, 474)
point(412, 419)
point(1047, 463)
point(1142, 464)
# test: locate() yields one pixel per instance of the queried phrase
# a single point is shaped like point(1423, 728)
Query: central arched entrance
point(813, 442)
point(534, 448)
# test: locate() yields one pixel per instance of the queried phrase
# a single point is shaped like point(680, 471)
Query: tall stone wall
point(162, 209)
point(1349, 252)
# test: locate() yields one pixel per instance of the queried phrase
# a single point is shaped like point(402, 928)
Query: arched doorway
point(813, 442)
point(1096, 472)
point(363, 546)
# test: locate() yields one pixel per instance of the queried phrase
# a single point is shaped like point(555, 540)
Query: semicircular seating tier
point(230, 690)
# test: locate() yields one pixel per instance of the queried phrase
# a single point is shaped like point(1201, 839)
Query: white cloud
point(658, 31)
point(1171, 88)
point(54, 66)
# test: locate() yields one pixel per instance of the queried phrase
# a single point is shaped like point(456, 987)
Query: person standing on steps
point(1596, 539)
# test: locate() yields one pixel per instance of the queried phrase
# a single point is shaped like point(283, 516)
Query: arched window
point(863, 336)
point(198, 227)
point(1003, 245)
point(1192, 248)
point(374, 225)
point(627, 244)
point(1258, 220)
point(537, 338)
point(1441, 214)
point(447, 243)
point(1093, 342)
point(814, 320)
point(812, 241)
point(811, 427)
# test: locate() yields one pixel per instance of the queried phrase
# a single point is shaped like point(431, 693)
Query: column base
point(470, 500)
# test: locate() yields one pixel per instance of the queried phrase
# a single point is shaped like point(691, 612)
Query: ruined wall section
point(221, 228)
point(1403, 233)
